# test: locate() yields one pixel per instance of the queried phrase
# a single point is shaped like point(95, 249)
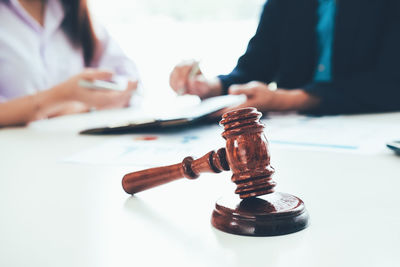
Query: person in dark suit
point(325, 56)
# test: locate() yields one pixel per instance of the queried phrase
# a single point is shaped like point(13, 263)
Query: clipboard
point(183, 118)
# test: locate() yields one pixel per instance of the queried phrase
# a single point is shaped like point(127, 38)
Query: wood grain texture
point(214, 161)
point(268, 215)
point(256, 210)
point(248, 152)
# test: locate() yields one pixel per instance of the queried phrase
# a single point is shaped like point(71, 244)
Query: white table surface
point(59, 214)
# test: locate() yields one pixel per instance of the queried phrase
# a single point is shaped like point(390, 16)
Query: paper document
point(343, 134)
point(348, 134)
point(148, 150)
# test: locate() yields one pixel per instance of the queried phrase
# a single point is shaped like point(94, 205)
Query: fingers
point(127, 94)
point(198, 86)
point(94, 74)
point(71, 90)
point(250, 102)
point(258, 95)
point(249, 89)
point(239, 89)
point(106, 99)
point(63, 108)
point(71, 107)
point(132, 86)
point(181, 75)
point(252, 90)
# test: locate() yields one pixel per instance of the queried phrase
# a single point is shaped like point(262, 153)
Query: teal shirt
point(325, 34)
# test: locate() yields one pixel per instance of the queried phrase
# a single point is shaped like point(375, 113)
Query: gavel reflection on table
point(259, 210)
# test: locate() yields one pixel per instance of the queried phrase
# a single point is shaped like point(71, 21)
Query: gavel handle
point(142, 180)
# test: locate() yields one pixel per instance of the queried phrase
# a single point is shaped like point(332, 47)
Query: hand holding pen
point(187, 78)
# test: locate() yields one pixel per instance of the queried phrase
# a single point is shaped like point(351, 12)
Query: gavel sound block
point(259, 210)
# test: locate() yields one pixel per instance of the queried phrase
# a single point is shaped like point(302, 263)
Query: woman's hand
point(92, 98)
point(64, 108)
point(65, 98)
point(187, 78)
point(260, 96)
point(69, 98)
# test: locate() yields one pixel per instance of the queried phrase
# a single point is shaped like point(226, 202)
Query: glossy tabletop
point(61, 214)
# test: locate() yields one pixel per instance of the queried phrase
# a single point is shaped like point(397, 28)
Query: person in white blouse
point(46, 48)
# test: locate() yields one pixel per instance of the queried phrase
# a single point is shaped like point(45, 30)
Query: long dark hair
point(78, 26)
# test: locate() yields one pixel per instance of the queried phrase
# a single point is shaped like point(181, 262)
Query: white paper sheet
point(343, 134)
point(347, 134)
point(148, 150)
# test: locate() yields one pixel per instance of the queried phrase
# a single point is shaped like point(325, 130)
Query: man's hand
point(260, 96)
point(187, 78)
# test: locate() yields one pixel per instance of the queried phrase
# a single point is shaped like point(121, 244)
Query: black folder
point(188, 117)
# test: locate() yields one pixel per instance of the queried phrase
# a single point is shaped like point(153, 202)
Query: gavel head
point(247, 152)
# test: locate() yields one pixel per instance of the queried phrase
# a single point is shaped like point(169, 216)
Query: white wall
point(159, 34)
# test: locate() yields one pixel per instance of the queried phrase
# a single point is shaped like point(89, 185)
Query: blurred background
point(159, 34)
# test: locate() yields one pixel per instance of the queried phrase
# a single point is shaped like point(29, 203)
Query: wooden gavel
point(260, 211)
point(246, 154)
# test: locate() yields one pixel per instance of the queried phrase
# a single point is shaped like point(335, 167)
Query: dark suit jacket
point(365, 60)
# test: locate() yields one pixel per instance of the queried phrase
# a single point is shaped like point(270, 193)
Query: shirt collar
point(53, 16)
